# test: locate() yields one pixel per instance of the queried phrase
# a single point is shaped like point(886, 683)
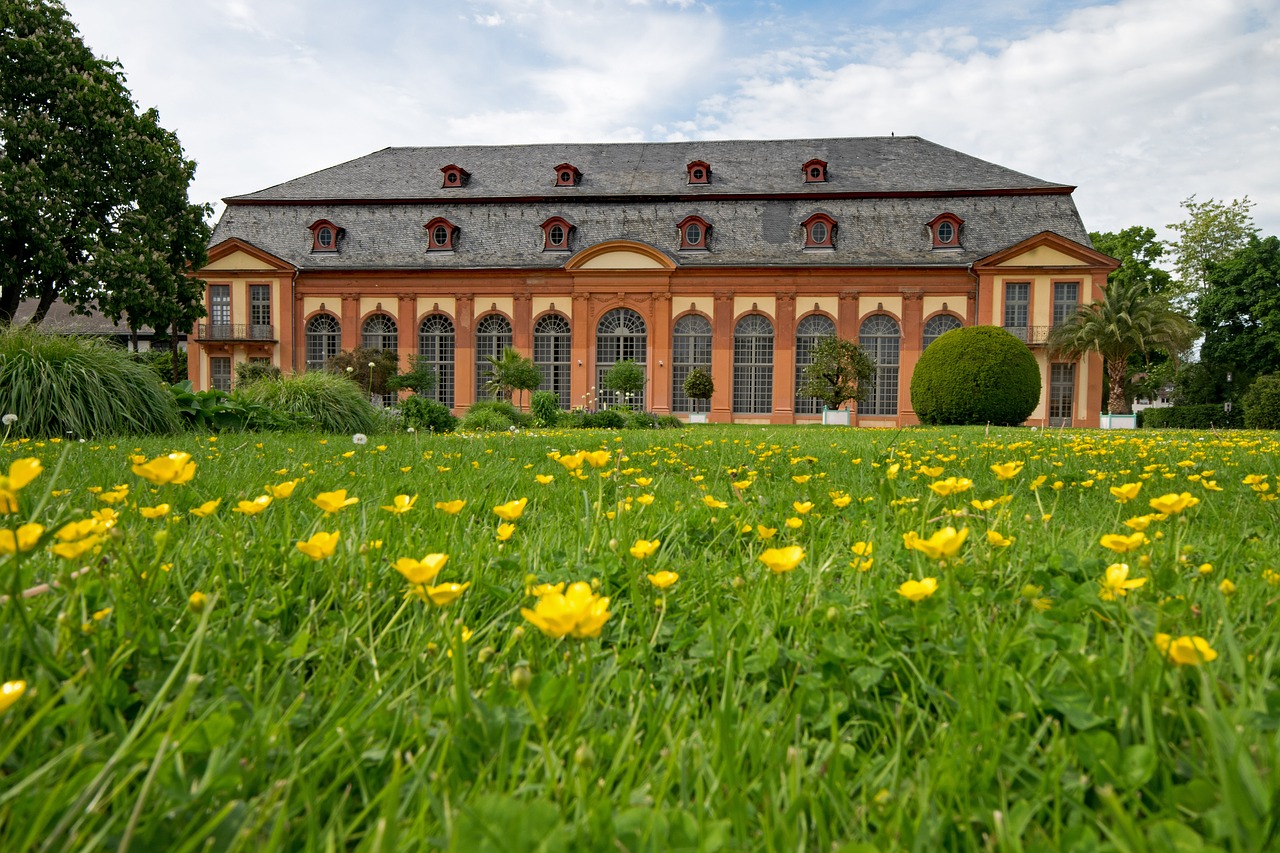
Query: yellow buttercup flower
point(511, 510)
point(742, 484)
point(153, 512)
point(644, 482)
point(801, 478)
point(1172, 503)
point(571, 461)
point(539, 590)
point(544, 479)
point(320, 545)
point(401, 504)
point(74, 549)
point(1006, 470)
point(713, 503)
point(891, 473)
point(931, 472)
point(802, 507)
point(643, 548)
point(579, 612)
point(175, 468)
point(422, 571)
point(114, 496)
point(10, 692)
point(596, 458)
point(445, 593)
point(1122, 544)
point(505, 531)
point(1126, 492)
point(842, 501)
point(331, 502)
point(951, 486)
point(944, 543)
point(254, 506)
point(998, 540)
point(644, 500)
point(21, 472)
point(451, 507)
point(1140, 522)
point(663, 579)
point(765, 533)
point(862, 549)
point(917, 591)
point(1227, 587)
point(196, 601)
point(1116, 582)
point(1185, 651)
point(282, 491)
point(781, 560)
point(794, 522)
point(207, 508)
point(24, 539)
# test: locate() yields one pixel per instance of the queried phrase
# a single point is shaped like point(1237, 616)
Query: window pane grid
point(220, 373)
point(324, 334)
point(690, 348)
point(260, 304)
point(493, 335)
point(379, 332)
point(937, 327)
point(553, 354)
point(220, 305)
point(809, 331)
point(620, 335)
point(1062, 382)
point(1017, 302)
point(753, 366)
point(1066, 298)
point(435, 347)
point(881, 338)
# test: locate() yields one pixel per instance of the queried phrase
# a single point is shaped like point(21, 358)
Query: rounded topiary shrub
point(1262, 403)
point(330, 402)
point(83, 387)
point(423, 413)
point(976, 375)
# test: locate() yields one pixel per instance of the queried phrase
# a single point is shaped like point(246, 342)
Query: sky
point(1140, 104)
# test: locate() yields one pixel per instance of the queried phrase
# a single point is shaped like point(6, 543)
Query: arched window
point(620, 336)
point(324, 335)
point(808, 332)
point(435, 350)
point(880, 337)
point(690, 348)
point(379, 332)
point(937, 326)
point(753, 366)
point(493, 335)
point(553, 353)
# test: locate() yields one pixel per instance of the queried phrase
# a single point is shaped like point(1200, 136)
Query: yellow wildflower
point(1172, 503)
point(24, 539)
point(572, 461)
point(511, 510)
point(1116, 582)
point(1122, 544)
point(10, 692)
point(1185, 651)
point(422, 571)
point(663, 579)
point(196, 601)
point(1007, 470)
point(1126, 492)
point(443, 594)
point(998, 540)
point(114, 496)
point(207, 508)
point(505, 531)
point(765, 533)
point(596, 458)
point(254, 506)
point(944, 543)
point(153, 512)
point(713, 503)
point(401, 504)
point(644, 500)
point(781, 560)
point(21, 472)
point(801, 478)
point(579, 612)
point(331, 502)
point(842, 501)
point(282, 491)
point(320, 545)
point(451, 507)
point(644, 548)
point(1227, 587)
point(795, 522)
point(175, 468)
point(802, 507)
point(544, 479)
point(916, 591)
point(951, 486)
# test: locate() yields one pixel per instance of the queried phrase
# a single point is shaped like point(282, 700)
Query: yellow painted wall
point(426, 303)
point(390, 305)
point(311, 304)
point(560, 304)
point(1043, 256)
point(621, 260)
point(764, 305)
point(488, 304)
point(238, 261)
point(829, 305)
point(955, 304)
point(871, 304)
point(704, 304)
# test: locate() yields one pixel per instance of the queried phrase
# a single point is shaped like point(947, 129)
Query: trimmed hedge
point(976, 375)
point(1262, 403)
point(1193, 417)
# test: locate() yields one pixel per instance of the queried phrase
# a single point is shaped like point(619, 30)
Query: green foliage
point(79, 387)
point(163, 363)
point(1193, 417)
point(327, 402)
point(839, 372)
point(1212, 232)
point(976, 375)
point(1240, 310)
point(512, 372)
point(545, 406)
point(626, 377)
point(420, 378)
point(495, 416)
point(215, 410)
point(1262, 403)
point(699, 385)
point(425, 414)
point(248, 372)
point(1139, 252)
point(370, 369)
point(603, 419)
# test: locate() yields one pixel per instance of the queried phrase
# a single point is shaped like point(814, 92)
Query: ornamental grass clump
point(330, 403)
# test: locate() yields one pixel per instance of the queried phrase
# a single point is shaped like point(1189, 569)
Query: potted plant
point(699, 385)
point(839, 372)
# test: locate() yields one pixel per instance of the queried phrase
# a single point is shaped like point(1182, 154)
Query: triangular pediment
point(1047, 250)
point(236, 255)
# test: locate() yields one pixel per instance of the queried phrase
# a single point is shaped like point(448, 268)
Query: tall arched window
point(809, 331)
point(620, 336)
point(937, 326)
point(753, 366)
point(553, 353)
point(493, 335)
point(881, 337)
point(435, 350)
point(690, 348)
point(324, 336)
point(379, 332)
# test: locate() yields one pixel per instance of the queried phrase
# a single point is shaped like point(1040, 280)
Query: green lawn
point(204, 684)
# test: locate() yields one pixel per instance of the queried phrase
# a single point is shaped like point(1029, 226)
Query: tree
point(839, 372)
point(369, 368)
point(1139, 251)
point(1211, 233)
point(420, 378)
point(626, 377)
point(1240, 312)
point(699, 385)
point(1128, 320)
point(82, 176)
point(512, 372)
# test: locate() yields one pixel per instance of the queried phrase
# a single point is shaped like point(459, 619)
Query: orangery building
point(734, 256)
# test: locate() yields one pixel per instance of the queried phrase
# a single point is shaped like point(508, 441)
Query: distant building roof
point(61, 320)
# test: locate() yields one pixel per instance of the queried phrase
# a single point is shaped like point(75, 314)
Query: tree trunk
point(1117, 401)
point(47, 296)
point(173, 355)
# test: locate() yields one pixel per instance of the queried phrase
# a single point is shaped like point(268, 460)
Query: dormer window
point(693, 233)
point(699, 172)
point(945, 231)
point(455, 176)
point(815, 172)
point(440, 235)
point(555, 233)
point(324, 236)
point(567, 175)
point(819, 232)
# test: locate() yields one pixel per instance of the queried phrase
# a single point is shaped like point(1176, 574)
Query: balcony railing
point(1030, 335)
point(235, 332)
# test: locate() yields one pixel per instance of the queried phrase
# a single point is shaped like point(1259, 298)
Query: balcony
point(1030, 335)
point(234, 332)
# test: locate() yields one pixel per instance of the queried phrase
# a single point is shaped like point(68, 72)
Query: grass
point(311, 704)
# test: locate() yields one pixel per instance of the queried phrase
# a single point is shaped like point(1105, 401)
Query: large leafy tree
point(84, 177)
point(1129, 320)
point(1240, 312)
point(1139, 252)
point(1212, 232)
point(839, 371)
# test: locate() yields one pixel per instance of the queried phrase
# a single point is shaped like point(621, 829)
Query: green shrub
point(512, 415)
point(1208, 416)
point(545, 406)
point(249, 372)
point(485, 420)
point(976, 375)
point(327, 402)
point(699, 385)
point(86, 387)
point(608, 419)
point(423, 413)
point(215, 410)
point(670, 422)
point(161, 361)
point(1262, 403)
point(641, 420)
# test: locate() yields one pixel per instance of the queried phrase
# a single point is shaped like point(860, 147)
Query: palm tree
point(1128, 319)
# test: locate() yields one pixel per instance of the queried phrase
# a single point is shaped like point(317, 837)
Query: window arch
point(553, 354)
point(493, 335)
point(435, 350)
point(324, 336)
point(937, 326)
point(379, 332)
point(809, 331)
point(620, 336)
point(881, 338)
point(690, 348)
point(753, 366)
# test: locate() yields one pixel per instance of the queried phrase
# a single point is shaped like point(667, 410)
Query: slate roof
point(881, 190)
